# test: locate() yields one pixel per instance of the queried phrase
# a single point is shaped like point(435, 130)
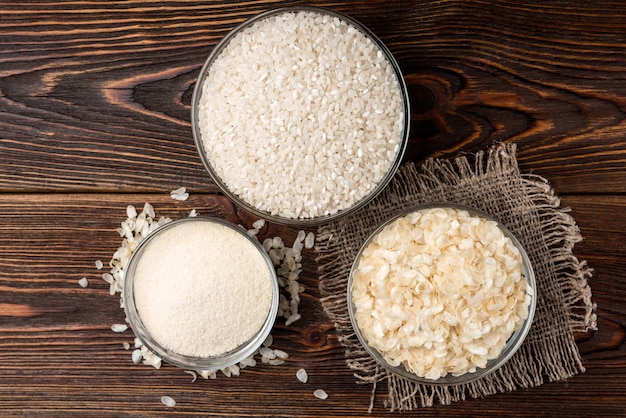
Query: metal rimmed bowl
point(248, 205)
point(215, 362)
point(513, 343)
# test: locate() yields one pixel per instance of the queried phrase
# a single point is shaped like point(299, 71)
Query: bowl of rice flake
point(441, 295)
point(300, 115)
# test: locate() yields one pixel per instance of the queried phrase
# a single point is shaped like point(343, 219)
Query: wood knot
point(421, 97)
point(315, 337)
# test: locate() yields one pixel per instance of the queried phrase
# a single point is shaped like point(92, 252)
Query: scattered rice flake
point(320, 394)
point(193, 213)
point(302, 375)
point(99, 264)
point(258, 224)
point(168, 401)
point(126, 346)
point(276, 362)
point(119, 327)
point(83, 282)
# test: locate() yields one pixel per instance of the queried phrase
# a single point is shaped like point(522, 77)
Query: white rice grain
point(320, 394)
point(131, 212)
point(302, 375)
point(194, 375)
point(168, 401)
point(281, 354)
point(309, 241)
point(83, 282)
point(136, 356)
point(119, 327)
point(179, 194)
point(99, 264)
point(293, 318)
point(267, 353)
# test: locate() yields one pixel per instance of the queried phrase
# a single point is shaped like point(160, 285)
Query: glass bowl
point(513, 343)
point(248, 206)
point(217, 362)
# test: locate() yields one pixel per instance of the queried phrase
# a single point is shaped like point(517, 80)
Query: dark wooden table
point(94, 115)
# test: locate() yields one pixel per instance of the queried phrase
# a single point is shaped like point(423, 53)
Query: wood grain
point(95, 95)
point(51, 241)
point(95, 114)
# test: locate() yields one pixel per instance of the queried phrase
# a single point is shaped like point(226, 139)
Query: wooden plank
point(97, 98)
point(58, 356)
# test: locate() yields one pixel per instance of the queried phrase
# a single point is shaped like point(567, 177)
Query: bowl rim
point(189, 362)
point(514, 342)
point(319, 220)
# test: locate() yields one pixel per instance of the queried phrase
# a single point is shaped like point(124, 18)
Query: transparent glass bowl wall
point(514, 342)
point(301, 222)
point(187, 362)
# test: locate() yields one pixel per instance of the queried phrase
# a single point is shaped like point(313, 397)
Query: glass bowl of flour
point(301, 115)
point(201, 294)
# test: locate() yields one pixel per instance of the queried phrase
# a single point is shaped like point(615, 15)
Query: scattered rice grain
point(131, 212)
point(302, 375)
point(309, 241)
point(293, 318)
point(179, 194)
point(99, 264)
point(119, 327)
point(194, 375)
point(320, 394)
point(281, 354)
point(83, 282)
point(168, 401)
point(269, 340)
point(136, 356)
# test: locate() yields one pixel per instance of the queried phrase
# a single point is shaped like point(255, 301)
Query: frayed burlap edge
point(489, 181)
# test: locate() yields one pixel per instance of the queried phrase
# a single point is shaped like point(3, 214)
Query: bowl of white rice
point(200, 293)
point(441, 295)
point(301, 115)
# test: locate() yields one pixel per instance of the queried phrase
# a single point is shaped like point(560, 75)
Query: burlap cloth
point(489, 181)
